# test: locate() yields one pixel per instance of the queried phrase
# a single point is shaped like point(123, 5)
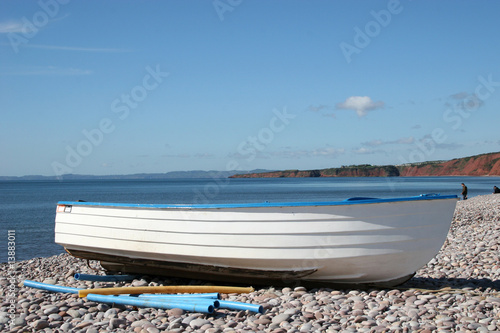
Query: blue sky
point(121, 87)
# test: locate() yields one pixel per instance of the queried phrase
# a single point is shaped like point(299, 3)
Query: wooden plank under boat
point(355, 241)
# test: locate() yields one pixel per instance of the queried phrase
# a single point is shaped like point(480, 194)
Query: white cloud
point(318, 108)
point(360, 104)
point(45, 70)
point(11, 27)
point(363, 151)
point(449, 146)
point(400, 141)
point(204, 155)
point(77, 48)
point(318, 152)
point(459, 96)
point(464, 101)
point(327, 152)
point(373, 143)
point(23, 26)
point(408, 140)
point(177, 155)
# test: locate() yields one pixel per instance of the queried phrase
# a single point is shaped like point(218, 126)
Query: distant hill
point(478, 165)
point(168, 175)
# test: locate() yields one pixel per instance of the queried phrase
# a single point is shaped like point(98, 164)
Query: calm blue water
point(28, 207)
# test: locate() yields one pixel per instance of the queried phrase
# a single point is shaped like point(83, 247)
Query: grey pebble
point(176, 312)
point(280, 318)
point(188, 319)
point(74, 313)
point(50, 309)
point(493, 300)
point(102, 307)
point(111, 313)
point(19, 321)
point(152, 329)
point(116, 322)
point(198, 323)
point(55, 317)
point(40, 324)
point(66, 327)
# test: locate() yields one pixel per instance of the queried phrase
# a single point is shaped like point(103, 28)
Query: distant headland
point(478, 165)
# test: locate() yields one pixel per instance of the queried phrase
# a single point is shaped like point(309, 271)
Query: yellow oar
point(165, 290)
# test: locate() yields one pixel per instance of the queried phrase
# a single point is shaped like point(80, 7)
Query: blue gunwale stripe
point(351, 201)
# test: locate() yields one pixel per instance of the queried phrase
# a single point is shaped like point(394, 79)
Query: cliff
point(478, 165)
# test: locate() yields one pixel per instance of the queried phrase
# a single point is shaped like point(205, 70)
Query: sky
point(123, 87)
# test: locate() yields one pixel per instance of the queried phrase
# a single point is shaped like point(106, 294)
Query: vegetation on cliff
point(365, 170)
point(478, 165)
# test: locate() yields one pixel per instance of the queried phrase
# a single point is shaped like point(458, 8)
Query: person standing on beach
point(464, 192)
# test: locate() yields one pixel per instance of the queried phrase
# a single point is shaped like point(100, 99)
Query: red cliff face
point(480, 165)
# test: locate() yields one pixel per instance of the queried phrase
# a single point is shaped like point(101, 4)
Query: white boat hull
point(357, 242)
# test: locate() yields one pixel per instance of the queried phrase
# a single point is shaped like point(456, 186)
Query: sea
point(28, 208)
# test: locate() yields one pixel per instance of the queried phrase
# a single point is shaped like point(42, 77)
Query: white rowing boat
point(356, 241)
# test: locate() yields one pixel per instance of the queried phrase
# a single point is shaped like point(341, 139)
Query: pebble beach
point(457, 291)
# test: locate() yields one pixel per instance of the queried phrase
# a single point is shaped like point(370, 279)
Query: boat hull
point(369, 241)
